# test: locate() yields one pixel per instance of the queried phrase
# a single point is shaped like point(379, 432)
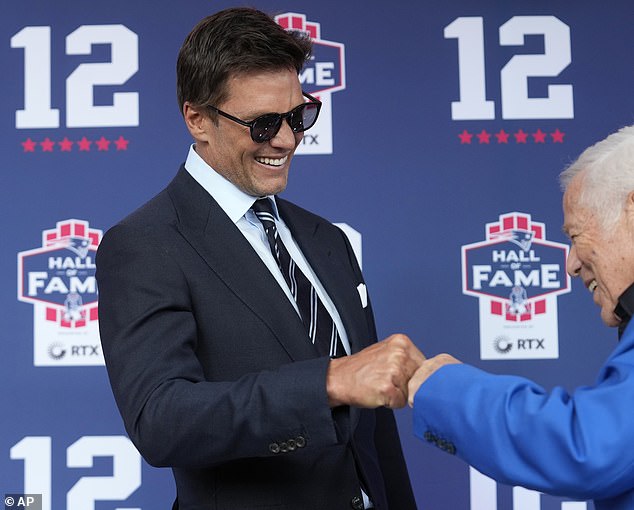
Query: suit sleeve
point(509, 428)
point(173, 414)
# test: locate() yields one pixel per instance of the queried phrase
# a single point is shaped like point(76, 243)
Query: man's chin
point(610, 320)
point(270, 188)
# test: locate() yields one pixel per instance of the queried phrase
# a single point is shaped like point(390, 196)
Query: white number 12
point(80, 108)
point(36, 452)
point(516, 104)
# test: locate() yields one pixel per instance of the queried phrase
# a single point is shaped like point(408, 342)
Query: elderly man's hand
point(427, 368)
point(376, 376)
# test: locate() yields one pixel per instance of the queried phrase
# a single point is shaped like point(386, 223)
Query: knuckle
point(442, 359)
point(400, 340)
point(385, 387)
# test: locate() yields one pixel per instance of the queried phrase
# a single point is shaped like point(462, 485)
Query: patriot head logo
point(521, 238)
point(323, 75)
point(516, 274)
point(58, 279)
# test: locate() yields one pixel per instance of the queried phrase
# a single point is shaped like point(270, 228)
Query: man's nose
point(573, 264)
point(284, 138)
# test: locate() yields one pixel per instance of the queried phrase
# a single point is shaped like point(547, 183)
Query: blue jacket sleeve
point(511, 429)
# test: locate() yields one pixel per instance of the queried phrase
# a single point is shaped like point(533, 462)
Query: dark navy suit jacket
point(212, 370)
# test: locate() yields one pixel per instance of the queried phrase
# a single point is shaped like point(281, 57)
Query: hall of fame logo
point(58, 279)
point(321, 76)
point(516, 274)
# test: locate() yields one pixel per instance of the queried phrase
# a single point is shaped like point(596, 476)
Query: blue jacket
point(578, 445)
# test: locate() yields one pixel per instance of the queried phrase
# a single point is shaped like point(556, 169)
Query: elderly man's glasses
point(266, 126)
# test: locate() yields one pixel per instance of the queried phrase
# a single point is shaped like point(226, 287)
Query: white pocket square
point(363, 294)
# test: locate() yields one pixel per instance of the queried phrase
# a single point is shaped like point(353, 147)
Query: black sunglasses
point(266, 126)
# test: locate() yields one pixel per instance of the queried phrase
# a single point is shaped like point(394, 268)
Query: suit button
point(291, 444)
point(300, 441)
point(429, 437)
point(274, 448)
point(283, 447)
point(356, 503)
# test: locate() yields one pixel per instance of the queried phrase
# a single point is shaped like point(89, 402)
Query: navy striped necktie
point(320, 327)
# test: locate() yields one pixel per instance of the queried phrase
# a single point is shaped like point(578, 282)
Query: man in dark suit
point(217, 368)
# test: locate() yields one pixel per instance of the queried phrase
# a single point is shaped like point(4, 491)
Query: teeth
point(272, 161)
point(592, 286)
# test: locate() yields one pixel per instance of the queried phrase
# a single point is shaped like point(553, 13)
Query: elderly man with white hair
point(579, 444)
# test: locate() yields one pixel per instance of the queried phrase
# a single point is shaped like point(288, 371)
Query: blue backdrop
point(438, 118)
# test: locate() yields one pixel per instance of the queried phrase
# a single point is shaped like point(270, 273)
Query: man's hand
point(374, 377)
point(427, 368)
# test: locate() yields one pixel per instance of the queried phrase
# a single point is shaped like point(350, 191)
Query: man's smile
point(272, 161)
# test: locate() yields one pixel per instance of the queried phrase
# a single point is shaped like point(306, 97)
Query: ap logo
point(517, 275)
point(58, 279)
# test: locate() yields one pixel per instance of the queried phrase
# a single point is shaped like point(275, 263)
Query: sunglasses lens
point(299, 119)
point(303, 117)
point(266, 127)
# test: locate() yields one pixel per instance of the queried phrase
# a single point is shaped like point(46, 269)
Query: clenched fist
point(376, 376)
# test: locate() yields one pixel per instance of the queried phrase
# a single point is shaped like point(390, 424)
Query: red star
point(47, 144)
point(102, 144)
point(502, 136)
point(65, 145)
point(465, 137)
point(539, 136)
point(84, 144)
point(558, 136)
point(520, 136)
point(29, 145)
point(483, 136)
point(121, 143)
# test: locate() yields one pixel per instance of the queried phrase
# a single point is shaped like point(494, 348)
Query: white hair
point(607, 170)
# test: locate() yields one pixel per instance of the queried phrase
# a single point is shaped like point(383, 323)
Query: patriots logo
point(78, 245)
point(521, 238)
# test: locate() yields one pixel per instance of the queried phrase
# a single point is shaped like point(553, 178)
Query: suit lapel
point(210, 232)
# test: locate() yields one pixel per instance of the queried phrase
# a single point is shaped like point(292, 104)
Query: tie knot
point(264, 210)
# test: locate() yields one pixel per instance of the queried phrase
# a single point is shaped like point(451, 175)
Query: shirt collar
point(233, 201)
point(625, 308)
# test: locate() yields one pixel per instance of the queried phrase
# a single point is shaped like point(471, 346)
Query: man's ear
point(196, 122)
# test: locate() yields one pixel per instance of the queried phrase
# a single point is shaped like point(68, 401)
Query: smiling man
point(238, 337)
point(602, 235)
point(577, 445)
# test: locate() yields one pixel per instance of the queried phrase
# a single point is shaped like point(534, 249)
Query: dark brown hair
point(231, 42)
